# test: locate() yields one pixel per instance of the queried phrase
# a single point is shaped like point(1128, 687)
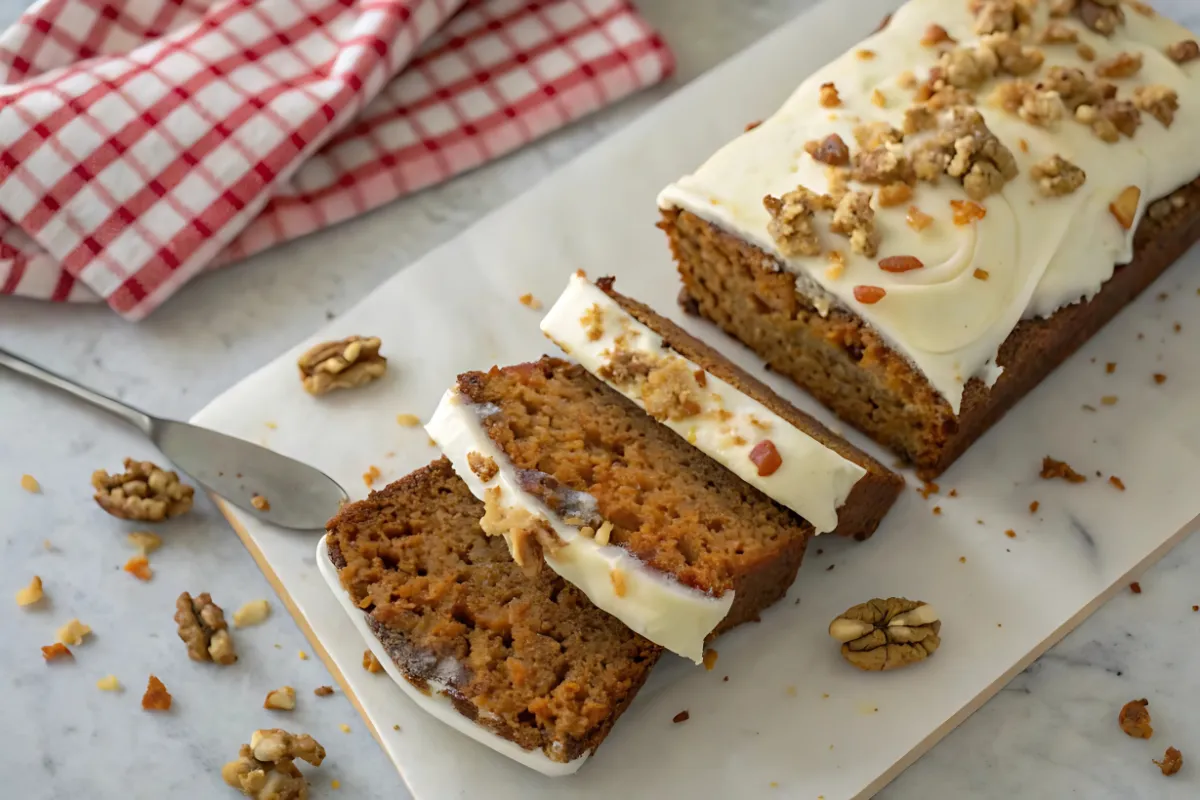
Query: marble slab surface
point(1051, 733)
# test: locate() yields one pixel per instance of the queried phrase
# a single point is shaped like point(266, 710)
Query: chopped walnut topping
point(965, 148)
point(869, 295)
point(873, 135)
point(966, 211)
point(202, 627)
point(1075, 87)
point(1124, 208)
point(1052, 468)
point(969, 67)
point(1172, 761)
point(1059, 33)
point(884, 164)
point(72, 633)
point(370, 663)
point(593, 322)
point(1034, 105)
point(766, 458)
point(900, 263)
point(626, 366)
point(1116, 482)
point(907, 80)
point(1102, 16)
point(1111, 119)
point(265, 769)
point(919, 118)
point(1142, 8)
point(347, 364)
point(32, 593)
point(839, 183)
point(887, 634)
point(1122, 65)
point(1160, 102)
point(53, 652)
point(670, 391)
point(1085, 51)
point(483, 466)
point(1056, 176)
point(917, 219)
point(830, 150)
point(1000, 16)
point(828, 97)
point(1184, 51)
point(894, 194)
point(792, 223)
point(1134, 719)
point(1014, 57)
point(935, 35)
point(144, 492)
point(855, 219)
point(281, 699)
point(145, 541)
point(156, 697)
point(1062, 8)
point(251, 613)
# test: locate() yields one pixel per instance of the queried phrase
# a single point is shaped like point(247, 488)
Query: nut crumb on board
point(884, 634)
point(1171, 763)
point(682, 716)
point(145, 541)
point(1117, 482)
point(1160, 378)
point(344, 728)
point(710, 659)
point(202, 627)
point(265, 769)
point(109, 683)
point(408, 420)
point(144, 492)
point(1033, 507)
point(156, 697)
point(1052, 468)
point(31, 593)
point(303, 655)
point(251, 613)
point(529, 301)
point(370, 663)
point(1134, 719)
point(371, 475)
point(347, 364)
point(1135, 587)
point(72, 633)
point(281, 699)
point(260, 502)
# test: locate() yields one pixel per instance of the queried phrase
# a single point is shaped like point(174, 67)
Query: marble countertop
point(1051, 733)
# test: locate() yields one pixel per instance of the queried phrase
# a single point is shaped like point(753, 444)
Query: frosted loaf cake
point(930, 224)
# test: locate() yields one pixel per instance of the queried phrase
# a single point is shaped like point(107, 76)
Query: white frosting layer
point(663, 610)
point(436, 703)
point(813, 480)
point(1040, 253)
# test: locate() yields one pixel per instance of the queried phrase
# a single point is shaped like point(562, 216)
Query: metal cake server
point(301, 497)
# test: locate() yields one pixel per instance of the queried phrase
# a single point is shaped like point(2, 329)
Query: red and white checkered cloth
point(142, 141)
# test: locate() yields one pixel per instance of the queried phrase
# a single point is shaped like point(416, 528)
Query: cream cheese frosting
point(668, 613)
point(1038, 253)
point(436, 703)
point(811, 479)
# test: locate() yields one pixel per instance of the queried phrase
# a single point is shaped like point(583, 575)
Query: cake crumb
point(937, 510)
point(32, 593)
point(1135, 587)
point(953, 493)
point(1010, 533)
point(682, 716)
point(1134, 719)
point(962, 559)
point(139, 567)
point(1184, 51)
point(529, 301)
point(251, 613)
point(1171, 762)
point(929, 488)
point(1052, 468)
point(30, 484)
point(72, 633)
point(371, 475)
point(1160, 378)
point(1110, 367)
point(370, 663)
point(260, 502)
point(109, 683)
point(53, 652)
point(1033, 507)
point(483, 466)
point(1117, 482)
point(792, 224)
point(323, 691)
point(408, 420)
point(156, 697)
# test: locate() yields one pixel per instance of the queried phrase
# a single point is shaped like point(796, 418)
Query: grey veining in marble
point(1051, 733)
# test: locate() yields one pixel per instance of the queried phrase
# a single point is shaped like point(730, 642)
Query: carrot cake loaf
point(523, 664)
point(649, 528)
point(929, 224)
point(732, 418)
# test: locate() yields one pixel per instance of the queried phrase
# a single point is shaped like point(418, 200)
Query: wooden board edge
point(927, 744)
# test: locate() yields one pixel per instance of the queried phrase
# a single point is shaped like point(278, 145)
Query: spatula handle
point(136, 418)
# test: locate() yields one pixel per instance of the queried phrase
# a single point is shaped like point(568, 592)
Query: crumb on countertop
point(682, 716)
point(408, 420)
point(281, 699)
point(1117, 482)
point(72, 633)
point(371, 475)
point(710, 659)
point(30, 484)
point(370, 663)
point(1033, 507)
point(156, 698)
point(251, 613)
point(1160, 378)
point(145, 541)
point(1135, 587)
point(529, 301)
point(109, 683)
point(1052, 468)
point(32, 593)
point(1171, 762)
point(1134, 719)
point(53, 652)
point(303, 655)
point(1108, 400)
point(929, 488)
point(323, 691)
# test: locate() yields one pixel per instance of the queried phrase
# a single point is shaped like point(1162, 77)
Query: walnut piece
point(855, 219)
point(370, 663)
point(894, 194)
point(32, 593)
point(72, 633)
point(1059, 33)
point(1184, 51)
point(1052, 468)
point(347, 364)
point(1111, 119)
point(626, 367)
point(965, 148)
point(1012, 56)
point(1057, 176)
point(251, 613)
point(1122, 65)
point(1160, 102)
point(969, 67)
point(828, 97)
point(887, 634)
point(143, 492)
point(156, 697)
point(919, 118)
point(1036, 106)
point(145, 541)
point(281, 699)
point(1000, 16)
point(830, 150)
point(873, 135)
point(1102, 16)
point(1172, 761)
point(884, 164)
point(792, 224)
point(202, 627)
point(1075, 87)
point(265, 769)
point(1134, 719)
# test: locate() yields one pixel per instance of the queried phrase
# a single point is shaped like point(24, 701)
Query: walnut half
point(143, 492)
point(202, 627)
point(347, 364)
point(887, 634)
point(265, 769)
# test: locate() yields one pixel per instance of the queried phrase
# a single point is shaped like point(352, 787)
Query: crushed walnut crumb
point(884, 164)
point(1111, 119)
point(1085, 51)
point(966, 149)
point(203, 629)
point(144, 492)
point(260, 502)
point(1160, 102)
point(346, 364)
point(792, 224)
point(855, 219)
point(828, 97)
point(1056, 176)
point(1052, 468)
point(529, 301)
point(919, 118)
point(251, 613)
point(831, 150)
point(1033, 507)
point(32, 593)
point(156, 697)
point(1012, 56)
point(1184, 51)
point(370, 663)
point(878, 98)
point(323, 691)
point(281, 699)
point(1041, 107)
point(483, 466)
point(968, 67)
point(670, 391)
point(1122, 65)
point(145, 541)
point(1172, 761)
point(1001, 16)
point(1058, 32)
point(1134, 719)
point(1160, 378)
point(1116, 482)
point(265, 769)
point(72, 633)
point(1102, 16)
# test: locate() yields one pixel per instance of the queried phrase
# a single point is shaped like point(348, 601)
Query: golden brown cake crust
point(843, 363)
point(871, 497)
point(529, 658)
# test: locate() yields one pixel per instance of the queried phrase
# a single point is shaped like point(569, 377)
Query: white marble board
point(793, 719)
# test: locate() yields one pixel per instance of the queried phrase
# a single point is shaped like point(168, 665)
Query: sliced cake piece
point(648, 527)
point(720, 409)
point(525, 665)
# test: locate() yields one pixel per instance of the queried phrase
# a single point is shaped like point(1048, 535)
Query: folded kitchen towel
point(143, 141)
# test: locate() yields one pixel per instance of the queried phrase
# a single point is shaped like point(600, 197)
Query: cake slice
point(736, 420)
point(523, 664)
point(929, 224)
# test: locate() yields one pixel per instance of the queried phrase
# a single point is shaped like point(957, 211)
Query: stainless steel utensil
point(301, 497)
